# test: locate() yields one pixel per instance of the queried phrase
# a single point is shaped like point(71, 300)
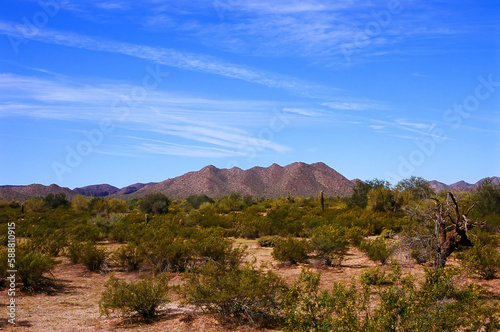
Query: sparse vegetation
point(205, 241)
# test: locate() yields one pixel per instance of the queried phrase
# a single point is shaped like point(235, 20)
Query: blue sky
point(125, 91)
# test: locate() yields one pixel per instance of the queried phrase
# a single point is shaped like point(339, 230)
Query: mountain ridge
point(296, 179)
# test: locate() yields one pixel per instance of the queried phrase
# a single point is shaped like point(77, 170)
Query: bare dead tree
point(450, 230)
point(451, 235)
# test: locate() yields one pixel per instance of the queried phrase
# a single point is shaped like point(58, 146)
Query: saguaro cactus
point(322, 201)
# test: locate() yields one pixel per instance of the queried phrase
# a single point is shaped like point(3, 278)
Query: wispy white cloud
point(187, 150)
point(112, 5)
point(303, 111)
point(421, 129)
point(349, 105)
point(416, 125)
point(142, 144)
point(287, 6)
point(323, 31)
point(215, 123)
point(319, 30)
point(168, 57)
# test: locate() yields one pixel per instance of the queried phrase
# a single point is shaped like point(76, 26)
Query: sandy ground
point(73, 306)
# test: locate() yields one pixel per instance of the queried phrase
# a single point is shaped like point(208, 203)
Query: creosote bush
point(483, 258)
point(376, 276)
point(377, 250)
point(142, 297)
point(268, 241)
point(330, 243)
point(236, 294)
point(128, 257)
point(88, 254)
point(31, 267)
point(169, 250)
point(439, 304)
point(291, 250)
point(154, 203)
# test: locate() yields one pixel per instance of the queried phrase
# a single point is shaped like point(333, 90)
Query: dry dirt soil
point(73, 305)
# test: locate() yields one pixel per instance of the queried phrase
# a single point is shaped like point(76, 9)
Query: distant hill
point(97, 190)
point(133, 188)
point(103, 190)
point(297, 179)
point(22, 193)
point(437, 186)
point(460, 185)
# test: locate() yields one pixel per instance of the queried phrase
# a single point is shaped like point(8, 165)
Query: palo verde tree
point(380, 197)
point(412, 190)
point(156, 203)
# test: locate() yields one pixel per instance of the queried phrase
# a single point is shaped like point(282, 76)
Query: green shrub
point(441, 283)
point(35, 205)
point(31, 267)
point(72, 251)
point(331, 244)
point(268, 241)
point(355, 235)
point(376, 276)
point(84, 232)
point(88, 254)
point(128, 257)
point(306, 308)
point(50, 243)
point(251, 228)
point(387, 234)
point(210, 245)
point(291, 249)
point(242, 295)
point(55, 200)
point(440, 304)
point(154, 203)
point(483, 258)
point(105, 223)
point(197, 200)
point(92, 257)
point(377, 250)
point(129, 228)
point(168, 251)
point(143, 297)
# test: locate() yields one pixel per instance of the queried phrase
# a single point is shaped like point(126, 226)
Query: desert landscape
point(289, 261)
point(250, 165)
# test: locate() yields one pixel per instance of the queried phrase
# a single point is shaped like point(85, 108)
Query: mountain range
point(460, 185)
point(296, 179)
